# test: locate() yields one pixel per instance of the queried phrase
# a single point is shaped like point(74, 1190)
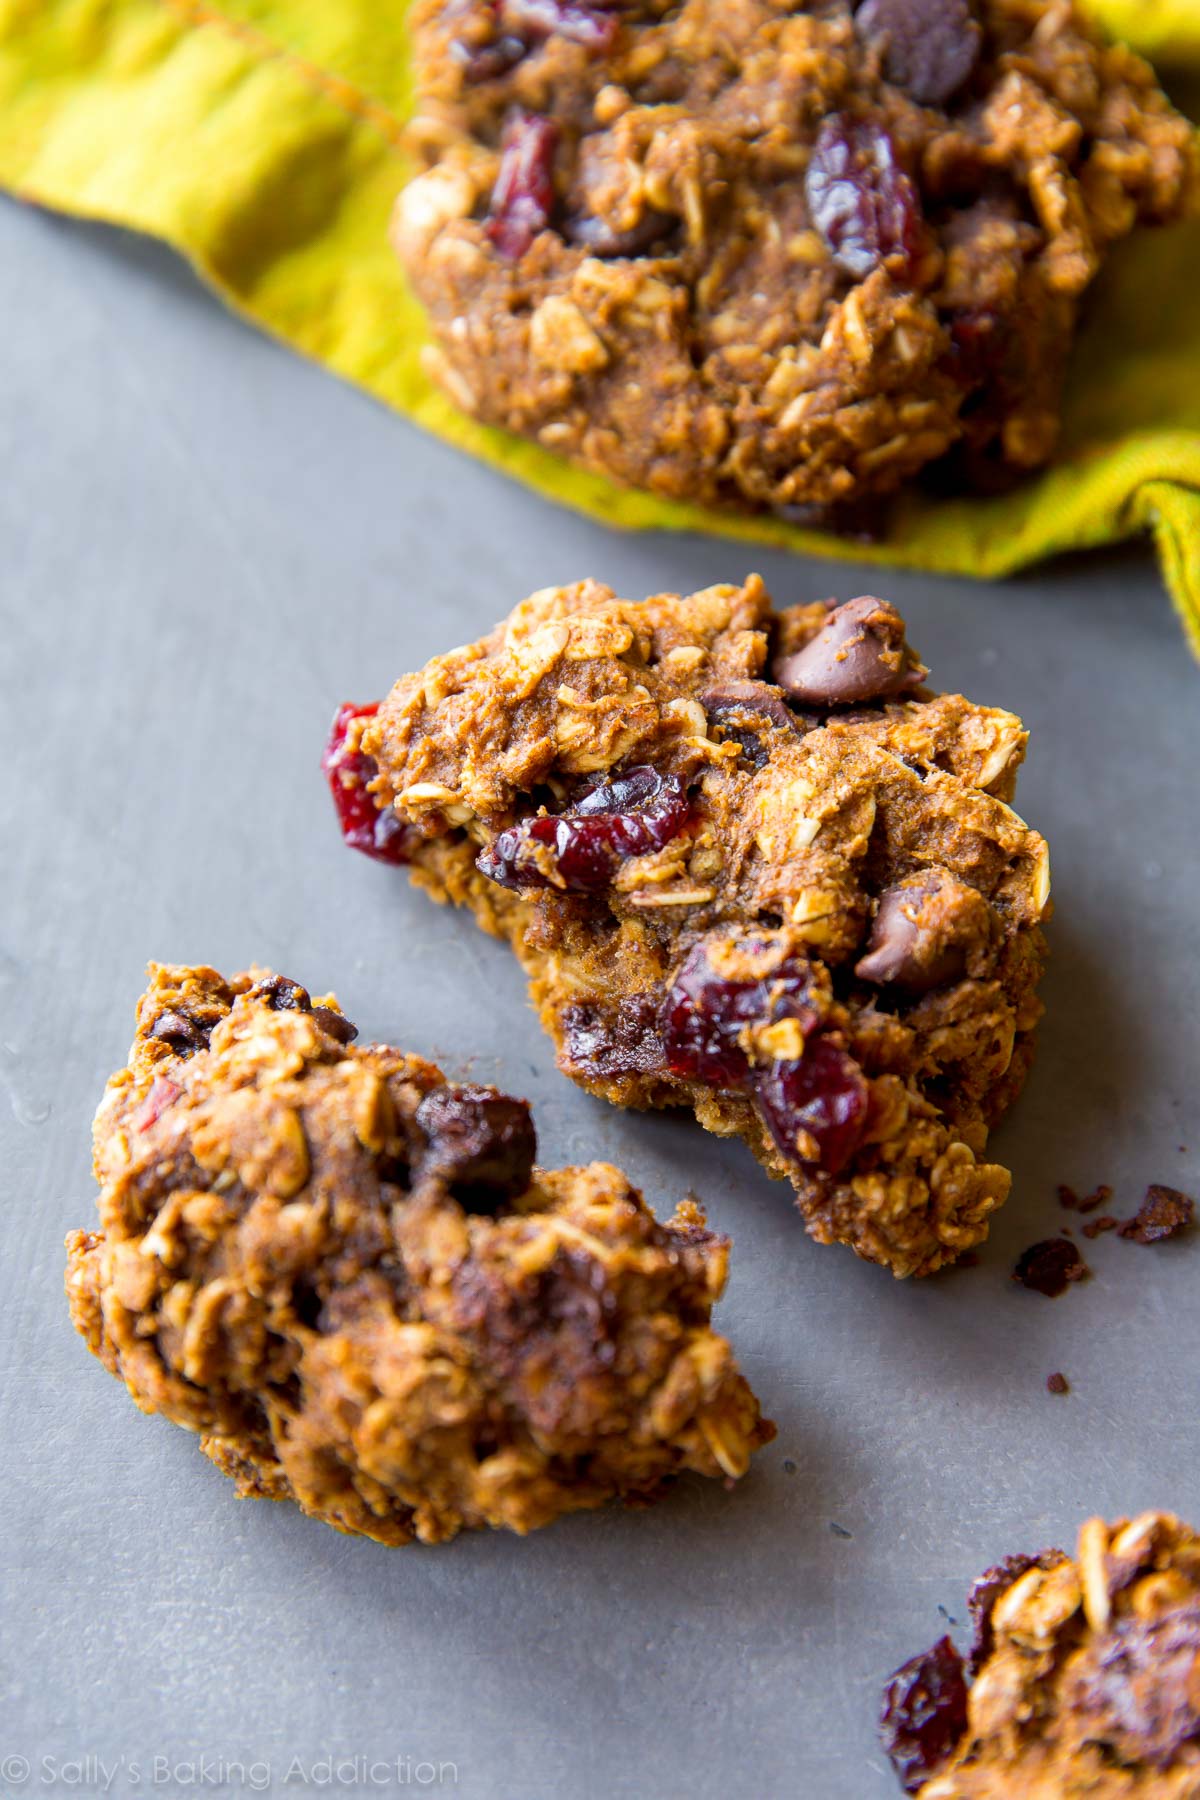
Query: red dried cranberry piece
point(364, 825)
point(930, 47)
point(704, 1015)
point(1050, 1266)
point(162, 1093)
point(592, 26)
point(824, 1094)
point(523, 197)
point(924, 1713)
point(859, 198)
point(628, 815)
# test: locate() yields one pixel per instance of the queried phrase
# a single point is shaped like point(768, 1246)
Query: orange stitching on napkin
point(342, 93)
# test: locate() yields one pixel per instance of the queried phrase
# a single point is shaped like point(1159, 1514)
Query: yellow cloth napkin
point(261, 139)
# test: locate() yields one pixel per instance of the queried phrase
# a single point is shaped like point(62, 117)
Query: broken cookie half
point(349, 1277)
point(752, 865)
point(1083, 1682)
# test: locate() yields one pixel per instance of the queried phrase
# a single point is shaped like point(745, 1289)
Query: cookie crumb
point(1050, 1266)
point(1105, 1222)
point(1083, 1203)
point(1057, 1383)
point(1164, 1213)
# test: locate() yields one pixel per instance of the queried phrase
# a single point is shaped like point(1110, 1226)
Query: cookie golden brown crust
point(768, 252)
point(815, 923)
point(1084, 1682)
point(347, 1275)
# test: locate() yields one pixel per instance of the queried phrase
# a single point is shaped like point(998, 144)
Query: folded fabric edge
point(1075, 506)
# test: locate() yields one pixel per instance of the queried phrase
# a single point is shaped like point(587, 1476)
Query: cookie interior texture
point(810, 915)
point(347, 1275)
point(1083, 1682)
point(770, 253)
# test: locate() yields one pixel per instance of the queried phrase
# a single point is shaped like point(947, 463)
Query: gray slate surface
point(206, 544)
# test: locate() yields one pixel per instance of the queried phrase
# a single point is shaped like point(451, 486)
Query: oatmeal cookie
point(348, 1276)
point(776, 253)
point(1083, 1682)
point(752, 866)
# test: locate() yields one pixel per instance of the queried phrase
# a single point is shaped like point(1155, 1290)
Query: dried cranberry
point(705, 1014)
point(824, 1095)
point(859, 198)
point(481, 1143)
point(628, 815)
point(162, 1093)
point(378, 833)
point(523, 197)
point(929, 47)
point(591, 26)
point(924, 1713)
point(1050, 1266)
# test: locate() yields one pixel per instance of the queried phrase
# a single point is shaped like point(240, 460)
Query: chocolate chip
point(624, 1039)
point(481, 1143)
point(1050, 1266)
point(335, 1024)
point(859, 654)
point(922, 931)
point(1164, 1213)
point(738, 706)
point(282, 995)
point(930, 47)
point(182, 1033)
point(597, 235)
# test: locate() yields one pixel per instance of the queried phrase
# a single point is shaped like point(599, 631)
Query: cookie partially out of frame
point(1083, 1682)
point(349, 1277)
point(773, 253)
point(752, 866)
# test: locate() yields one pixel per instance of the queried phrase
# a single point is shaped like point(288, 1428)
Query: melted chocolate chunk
point(481, 1143)
point(181, 1032)
point(930, 47)
point(607, 1041)
point(859, 654)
